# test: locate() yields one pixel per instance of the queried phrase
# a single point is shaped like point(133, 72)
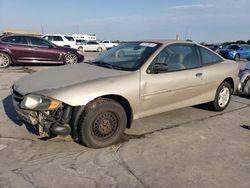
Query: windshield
point(127, 56)
point(233, 47)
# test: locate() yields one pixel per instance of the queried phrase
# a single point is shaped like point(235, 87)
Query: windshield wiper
point(103, 64)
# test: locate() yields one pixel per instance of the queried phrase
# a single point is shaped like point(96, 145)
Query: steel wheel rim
point(4, 60)
point(71, 59)
point(224, 96)
point(105, 125)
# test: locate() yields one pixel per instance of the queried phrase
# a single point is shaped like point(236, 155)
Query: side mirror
point(159, 68)
point(51, 46)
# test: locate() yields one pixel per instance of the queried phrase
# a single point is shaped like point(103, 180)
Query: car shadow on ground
point(12, 115)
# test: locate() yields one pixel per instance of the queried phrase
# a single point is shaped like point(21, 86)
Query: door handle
point(198, 74)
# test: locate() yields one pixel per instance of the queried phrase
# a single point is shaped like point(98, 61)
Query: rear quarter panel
point(214, 75)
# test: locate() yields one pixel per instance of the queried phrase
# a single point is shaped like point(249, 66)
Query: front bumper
point(244, 85)
point(45, 122)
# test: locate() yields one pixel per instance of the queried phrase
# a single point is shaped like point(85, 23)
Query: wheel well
point(125, 104)
point(231, 82)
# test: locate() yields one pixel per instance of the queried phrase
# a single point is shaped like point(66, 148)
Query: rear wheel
point(5, 60)
point(222, 97)
point(70, 58)
point(99, 49)
point(102, 123)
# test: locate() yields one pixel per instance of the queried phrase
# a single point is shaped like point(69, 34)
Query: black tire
point(5, 60)
point(70, 58)
point(99, 49)
point(220, 103)
point(102, 123)
point(237, 57)
point(81, 49)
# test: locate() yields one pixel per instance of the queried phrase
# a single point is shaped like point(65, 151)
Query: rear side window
point(54, 38)
point(39, 42)
point(209, 57)
point(15, 39)
point(69, 38)
point(92, 42)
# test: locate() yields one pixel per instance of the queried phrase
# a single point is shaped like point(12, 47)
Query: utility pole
point(177, 37)
point(77, 29)
point(42, 30)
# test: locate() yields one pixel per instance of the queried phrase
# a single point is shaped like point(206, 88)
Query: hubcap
point(105, 125)
point(224, 96)
point(4, 60)
point(71, 59)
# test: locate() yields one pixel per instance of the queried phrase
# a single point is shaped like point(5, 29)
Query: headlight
point(38, 102)
point(232, 53)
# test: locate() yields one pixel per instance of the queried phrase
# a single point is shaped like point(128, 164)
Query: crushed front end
point(244, 85)
point(48, 116)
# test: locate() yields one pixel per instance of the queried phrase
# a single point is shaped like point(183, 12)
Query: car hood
point(62, 77)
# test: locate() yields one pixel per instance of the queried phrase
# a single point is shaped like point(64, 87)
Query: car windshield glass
point(233, 47)
point(127, 56)
point(69, 38)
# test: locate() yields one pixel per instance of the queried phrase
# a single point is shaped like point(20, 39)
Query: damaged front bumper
point(50, 122)
point(244, 85)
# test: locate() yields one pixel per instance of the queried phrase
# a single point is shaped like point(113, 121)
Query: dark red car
point(23, 49)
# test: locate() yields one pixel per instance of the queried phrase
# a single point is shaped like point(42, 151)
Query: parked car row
point(233, 51)
point(22, 49)
point(83, 45)
point(236, 51)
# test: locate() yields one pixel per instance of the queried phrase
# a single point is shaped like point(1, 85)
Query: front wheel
point(222, 97)
point(102, 123)
point(237, 57)
point(70, 58)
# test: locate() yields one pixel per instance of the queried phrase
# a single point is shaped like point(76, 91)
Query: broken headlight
point(40, 103)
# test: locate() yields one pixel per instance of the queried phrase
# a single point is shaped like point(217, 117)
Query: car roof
point(165, 41)
point(24, 35)
point(57, 35)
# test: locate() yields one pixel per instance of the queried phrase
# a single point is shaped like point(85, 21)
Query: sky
point(208, 21)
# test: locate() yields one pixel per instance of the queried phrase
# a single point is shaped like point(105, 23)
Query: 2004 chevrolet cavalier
point(94, 102)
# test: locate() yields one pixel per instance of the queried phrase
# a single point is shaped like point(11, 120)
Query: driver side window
point(176, 57)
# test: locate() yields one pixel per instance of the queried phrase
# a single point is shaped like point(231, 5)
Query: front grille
point(17, 96)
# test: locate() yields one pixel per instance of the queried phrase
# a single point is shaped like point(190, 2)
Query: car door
point(18, 47)
point(243, 52)
point(42, 51)
point(87, 46)
point(92, 46)
point(177, 86)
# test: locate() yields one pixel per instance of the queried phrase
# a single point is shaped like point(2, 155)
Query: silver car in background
point(95, 102)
